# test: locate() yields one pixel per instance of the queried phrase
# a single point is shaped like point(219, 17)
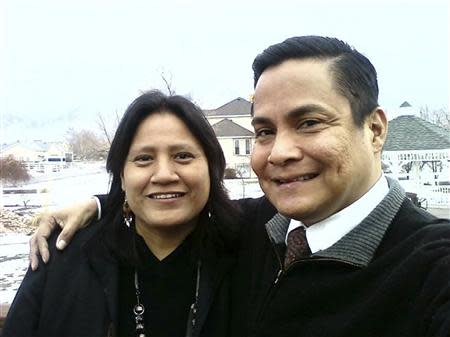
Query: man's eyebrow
point(260, 120)
point(292, 114)
point(304, 109)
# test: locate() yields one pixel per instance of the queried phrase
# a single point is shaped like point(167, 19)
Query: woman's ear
point(122, 183)
point(378, 124)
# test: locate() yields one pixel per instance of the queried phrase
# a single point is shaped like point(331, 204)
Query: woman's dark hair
point(218, 229)
point(355, 77)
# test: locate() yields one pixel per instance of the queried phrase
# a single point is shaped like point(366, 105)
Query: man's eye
point(308, 123)
point(263, 133)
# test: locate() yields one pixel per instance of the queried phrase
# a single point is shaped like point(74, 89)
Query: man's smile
point(287, 180)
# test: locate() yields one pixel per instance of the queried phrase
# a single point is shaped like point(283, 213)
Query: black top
point(375, 282)
point(167, 291)
point(76, 293)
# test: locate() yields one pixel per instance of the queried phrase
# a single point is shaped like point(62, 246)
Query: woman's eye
point(184, 156)
point(143, 158)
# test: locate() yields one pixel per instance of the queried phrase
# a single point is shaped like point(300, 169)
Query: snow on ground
point(56, 189)
point(62, 188)
point(236, 190)
point(13, 263)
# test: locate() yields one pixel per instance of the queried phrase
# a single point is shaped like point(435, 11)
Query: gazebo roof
point(405, 104)
point(407, 133)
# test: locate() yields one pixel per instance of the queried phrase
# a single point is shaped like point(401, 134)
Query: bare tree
point(13, 171)
point(104, 130)
point(168, 83)
point(108, 130)
point(439, 117)
point(86, 145)
point(242, 172)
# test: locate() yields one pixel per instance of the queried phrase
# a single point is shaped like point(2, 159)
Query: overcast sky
point(63, 62)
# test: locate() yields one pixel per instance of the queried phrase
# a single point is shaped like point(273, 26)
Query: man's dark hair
point(355, 77)
point(217, 230)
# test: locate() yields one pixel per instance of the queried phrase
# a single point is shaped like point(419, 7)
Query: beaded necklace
point(139, 308)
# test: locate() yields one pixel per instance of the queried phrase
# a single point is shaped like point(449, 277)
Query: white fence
point(46, 167)
point(437, 196)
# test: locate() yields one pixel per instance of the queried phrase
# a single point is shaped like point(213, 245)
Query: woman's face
point(165, 176)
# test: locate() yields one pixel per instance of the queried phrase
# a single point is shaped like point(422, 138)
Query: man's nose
point(164, 172)
point(285, 149)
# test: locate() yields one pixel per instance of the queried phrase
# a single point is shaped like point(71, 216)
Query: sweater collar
point(327, 232)
point(359, 245)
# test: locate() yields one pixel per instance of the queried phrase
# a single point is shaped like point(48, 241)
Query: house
point(417, 153)
point(38, 155)
point(23, 151)
point(232, 124)
point(236, 142)
point(237, 110)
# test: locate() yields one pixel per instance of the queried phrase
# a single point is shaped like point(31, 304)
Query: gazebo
point(417, 153)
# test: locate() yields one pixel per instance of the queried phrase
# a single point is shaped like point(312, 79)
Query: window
point(236, 146)
point(247, 146)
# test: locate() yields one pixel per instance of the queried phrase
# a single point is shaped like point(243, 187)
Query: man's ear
point(378, 124)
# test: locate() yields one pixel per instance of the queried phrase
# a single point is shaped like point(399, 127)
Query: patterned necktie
point(297, 246)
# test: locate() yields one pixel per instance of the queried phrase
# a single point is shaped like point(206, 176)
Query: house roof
point(414, 133)
point(238, 106)
point(228, 128)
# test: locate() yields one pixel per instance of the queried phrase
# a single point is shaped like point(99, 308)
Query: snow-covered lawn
point(13, 263)
point(61, 189)
point(64, 187)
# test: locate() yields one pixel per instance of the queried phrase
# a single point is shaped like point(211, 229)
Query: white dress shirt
point(327, 232)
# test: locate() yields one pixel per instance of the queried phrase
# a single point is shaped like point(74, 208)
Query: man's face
point(310, 157)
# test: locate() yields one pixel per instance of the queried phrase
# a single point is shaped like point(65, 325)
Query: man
point(377, 266)
point(372, 263)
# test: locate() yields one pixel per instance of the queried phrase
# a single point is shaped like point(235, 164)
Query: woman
point(161, 266)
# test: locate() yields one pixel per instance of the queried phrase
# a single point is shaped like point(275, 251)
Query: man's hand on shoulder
point(70, 219)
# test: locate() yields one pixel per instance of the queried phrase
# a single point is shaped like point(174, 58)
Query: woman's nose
point(164, 172)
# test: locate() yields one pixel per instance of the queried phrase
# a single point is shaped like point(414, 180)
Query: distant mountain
point(21, 128)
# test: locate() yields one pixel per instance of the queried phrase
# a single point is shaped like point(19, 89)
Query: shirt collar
point(359, 245)
point(327, 232)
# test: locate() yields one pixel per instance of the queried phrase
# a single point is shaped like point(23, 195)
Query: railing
point(433, 196)
point(46, 167)
point(437, 196)
point(430, 196)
